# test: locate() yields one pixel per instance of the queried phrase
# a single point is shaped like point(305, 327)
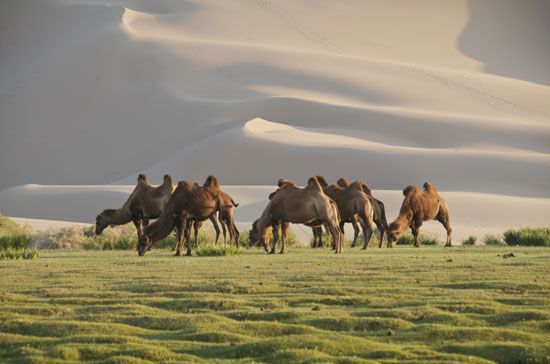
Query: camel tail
point(234, 203)
point(382, 213)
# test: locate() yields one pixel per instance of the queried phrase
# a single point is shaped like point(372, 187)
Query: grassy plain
point(464, 304)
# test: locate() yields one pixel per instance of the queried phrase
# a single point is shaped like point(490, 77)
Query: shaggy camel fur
point(353, 204)
point(379, 210)
point(291, 204)
point(419, 206)
point(188, 203)
point(145, 202)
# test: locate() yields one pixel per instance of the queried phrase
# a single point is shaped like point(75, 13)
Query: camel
point(379, 210)
point(226, 217)
point(189, 202)
point(353, 204)
point(144, 203)
point(291, 204)
point(253, 238)
point(419, 206)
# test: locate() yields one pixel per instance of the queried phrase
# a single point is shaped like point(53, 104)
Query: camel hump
point(142, 178)
point(184, 185)
point(366, 188)
point(313, 182)
point(283, 182)
point(343, 182)
point(428, 187)
point(410, 189)
point(167, 178)
point(211, 182)
point(322, 181)
point(357, 185)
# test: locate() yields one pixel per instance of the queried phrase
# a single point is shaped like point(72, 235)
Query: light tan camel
point(419, 206)
point(188, 203)
point(353, 205)
point(145, 202)
point(291, 204)
point(379, 217)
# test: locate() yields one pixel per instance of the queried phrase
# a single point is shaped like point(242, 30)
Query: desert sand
point(394, 93)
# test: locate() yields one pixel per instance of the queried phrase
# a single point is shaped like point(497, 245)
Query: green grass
point(408, 239)
point(15, 241)
point(382, 305)
point(493, 239)
point(211, 250)
point(528, 236)
point(471, 241)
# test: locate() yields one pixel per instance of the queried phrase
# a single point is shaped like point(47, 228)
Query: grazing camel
point(379, 210)
point(419, 206)
point(145, 202)
point(291, 204)
point(226, 217)
point(188, 203)
point(353, 204)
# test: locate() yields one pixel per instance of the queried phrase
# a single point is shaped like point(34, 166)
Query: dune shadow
point(512, 38)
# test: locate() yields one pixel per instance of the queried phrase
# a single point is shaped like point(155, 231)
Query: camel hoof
point(364, 248)
point(188, 254)
point(178, 254)
point(271, 252)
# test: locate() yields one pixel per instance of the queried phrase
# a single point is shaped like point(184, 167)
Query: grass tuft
point(470, 241)
point(408, 239)
point(492, 239)
point(212, 250)
point(528, 236)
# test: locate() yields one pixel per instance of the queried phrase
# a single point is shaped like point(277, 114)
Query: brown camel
point(226, 217)
point(253, 237)
point(379, 217)
point(188, 203)
point(353, 204)
point(419, 206)
point(145, 202)
point(291, 204)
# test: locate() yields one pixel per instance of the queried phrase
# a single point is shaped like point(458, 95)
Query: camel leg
point(355, 232)
point(317, 236)
point(367, 233)
point(179, 236)
point(416, 231)
point(214, 219)
point(443, 218)
point(284, 234)
point(235, 233)
point(196, 226)
point(275, 230)
point(381, 231)
point(336, 237)
point(341, 231)
point(188, 237)
point(224, 230)
point(264, 237)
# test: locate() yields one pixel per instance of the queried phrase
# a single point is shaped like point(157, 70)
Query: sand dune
point(395, 93)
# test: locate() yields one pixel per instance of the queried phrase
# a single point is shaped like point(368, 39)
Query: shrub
point(217, 250)
point(408, 239)
point(471, 240)
point(15, 241)
point(532, 236)
point(62, 238)
point(492, 239)
point(6, 254)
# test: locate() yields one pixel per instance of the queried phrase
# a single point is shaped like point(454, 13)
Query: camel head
point(394, 231)
point(253, 237)
point(102, 221)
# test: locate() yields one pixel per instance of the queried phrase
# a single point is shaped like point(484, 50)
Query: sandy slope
point(395, 93)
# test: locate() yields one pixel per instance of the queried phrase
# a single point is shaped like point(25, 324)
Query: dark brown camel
point(188, 203)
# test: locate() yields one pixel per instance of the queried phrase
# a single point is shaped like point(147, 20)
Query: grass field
point(471, 304)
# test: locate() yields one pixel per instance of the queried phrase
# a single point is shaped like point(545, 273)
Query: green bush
point(211, 250)
point(8, 254)
point(531, 236)
point(492, 239)
point(15, 241)
point(408, 239)
point(471, 240)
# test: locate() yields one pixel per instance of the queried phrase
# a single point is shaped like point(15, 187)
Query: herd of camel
point(316, 205)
